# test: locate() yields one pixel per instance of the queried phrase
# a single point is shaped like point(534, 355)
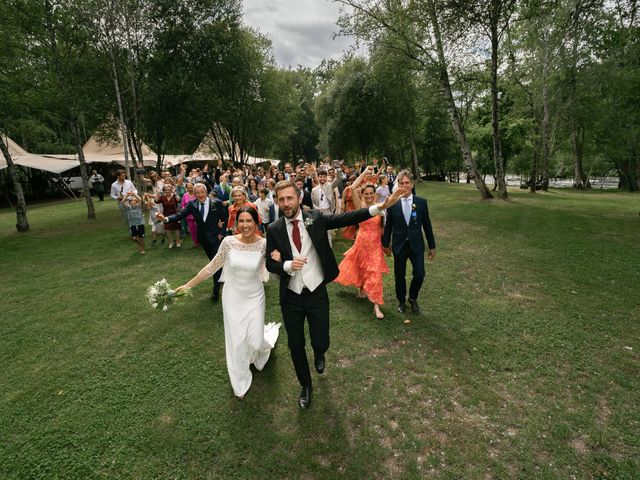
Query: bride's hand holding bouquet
point(161, 295)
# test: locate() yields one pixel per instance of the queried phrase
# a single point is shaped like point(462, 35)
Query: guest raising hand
point(364, 263)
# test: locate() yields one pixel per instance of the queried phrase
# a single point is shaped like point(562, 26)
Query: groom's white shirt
point(311, 275)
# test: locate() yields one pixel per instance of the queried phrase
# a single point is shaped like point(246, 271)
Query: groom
point(306, 265)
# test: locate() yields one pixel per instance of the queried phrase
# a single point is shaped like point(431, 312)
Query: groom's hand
point(432, 254)
point(392, 199)
point(387, 251)
point(298, 263)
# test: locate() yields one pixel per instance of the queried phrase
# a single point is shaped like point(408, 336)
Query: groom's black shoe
point(215, 296)
point(402, 308)
point(415, 309)
point(305, 398)
point(319, 362)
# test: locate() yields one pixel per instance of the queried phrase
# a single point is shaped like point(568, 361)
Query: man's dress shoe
point(415, 309)
point(319, 363)
point(305, 398)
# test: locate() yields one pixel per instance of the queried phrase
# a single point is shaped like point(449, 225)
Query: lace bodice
point(240, 261)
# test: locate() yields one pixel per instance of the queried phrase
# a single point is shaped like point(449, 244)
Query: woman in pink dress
point(191, 222)
point(364, 263)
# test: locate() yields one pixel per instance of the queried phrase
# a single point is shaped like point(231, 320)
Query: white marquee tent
point(41, 162)
point(98, 151)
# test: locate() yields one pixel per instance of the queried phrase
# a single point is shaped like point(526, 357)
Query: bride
point(247, 339)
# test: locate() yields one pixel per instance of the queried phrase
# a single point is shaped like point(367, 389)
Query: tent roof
point(254, 160)
point(21, 157)
point(98, 151)
point(173, 160)
point(204, 152)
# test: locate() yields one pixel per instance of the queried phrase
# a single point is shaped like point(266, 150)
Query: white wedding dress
point(247, 339)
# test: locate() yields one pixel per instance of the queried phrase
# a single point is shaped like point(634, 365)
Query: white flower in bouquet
point(161, 295)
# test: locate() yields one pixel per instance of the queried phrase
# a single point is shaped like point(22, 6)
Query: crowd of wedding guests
point(201, 204)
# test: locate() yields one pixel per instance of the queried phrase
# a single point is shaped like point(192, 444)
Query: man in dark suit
point(405, 222)
point(305, 197)
point(305, 266)
point(211, 219)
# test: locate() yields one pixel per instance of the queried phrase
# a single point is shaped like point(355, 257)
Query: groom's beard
point(293, 213)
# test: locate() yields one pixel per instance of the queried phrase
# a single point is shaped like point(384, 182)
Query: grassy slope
point(518, 367)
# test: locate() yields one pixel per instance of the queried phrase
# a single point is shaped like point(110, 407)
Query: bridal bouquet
point(161, 295)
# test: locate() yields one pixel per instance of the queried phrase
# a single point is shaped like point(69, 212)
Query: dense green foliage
point(567, 83)
point(524, 365)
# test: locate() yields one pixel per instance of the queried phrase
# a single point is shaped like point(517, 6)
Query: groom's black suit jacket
point(278, 239)
point(208, 230)
point(411, 233)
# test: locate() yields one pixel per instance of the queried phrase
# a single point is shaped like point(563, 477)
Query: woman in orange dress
point(364, 263)
point(349, 232)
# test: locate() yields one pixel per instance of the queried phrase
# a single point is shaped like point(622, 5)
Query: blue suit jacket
point(208, 231)
point(397, 232)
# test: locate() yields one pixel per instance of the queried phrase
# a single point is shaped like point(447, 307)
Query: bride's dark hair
point(250, 210)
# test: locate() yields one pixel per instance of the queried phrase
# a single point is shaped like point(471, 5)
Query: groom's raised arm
point(348, 218)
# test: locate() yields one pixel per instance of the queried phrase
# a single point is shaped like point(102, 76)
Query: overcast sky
point(301, 30)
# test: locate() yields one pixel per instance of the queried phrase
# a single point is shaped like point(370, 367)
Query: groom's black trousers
point(314, 306)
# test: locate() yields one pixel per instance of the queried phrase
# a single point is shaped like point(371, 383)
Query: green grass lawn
point(524, 364)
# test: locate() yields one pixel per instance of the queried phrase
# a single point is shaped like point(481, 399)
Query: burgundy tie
point(297, 241)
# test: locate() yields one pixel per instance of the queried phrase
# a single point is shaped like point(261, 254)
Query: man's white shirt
point(406, 208)
point(118, 188)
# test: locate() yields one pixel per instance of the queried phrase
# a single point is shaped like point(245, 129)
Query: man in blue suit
point(405, 223)
point(211, 219)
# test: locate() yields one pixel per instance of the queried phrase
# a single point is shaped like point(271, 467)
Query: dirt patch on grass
point(165, 419)
point(579, 445)
point(604, 412)
point(322, 461)
point(393, 346)
point(393, 466)
point(344, 362)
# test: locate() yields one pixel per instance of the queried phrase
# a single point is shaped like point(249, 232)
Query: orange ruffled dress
point(364, 263)
point(349, 232)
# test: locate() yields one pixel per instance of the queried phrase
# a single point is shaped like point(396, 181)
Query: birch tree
point(418, 31)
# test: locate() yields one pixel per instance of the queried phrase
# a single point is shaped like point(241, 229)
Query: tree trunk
point(545, 130)
point(577, 139)
point(22, 223)
point(414, 156)
point(535, 163)
point(75, 128)
point(501, 184)
point(123, 126)
point(636, 160)
point(458, 128)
